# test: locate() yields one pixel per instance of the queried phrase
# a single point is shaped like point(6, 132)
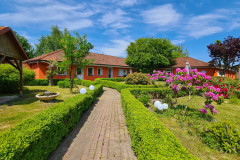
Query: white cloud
point(116, 19)
point(127, 2)
point(204, 25)
point(49, 14)
point(164, 15)
point(178, 41)
point(117, 48)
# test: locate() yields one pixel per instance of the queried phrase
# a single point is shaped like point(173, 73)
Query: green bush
point(150, 138)
point(28, 76)
point(138, 78)
point(88, 83)
point(119, 86)
point(38, 82)
point(225, 80)
point(223, 136)
point(144, 98)
point(37, 137)
point(9, 78)
point(64, 84)
point(119, 79)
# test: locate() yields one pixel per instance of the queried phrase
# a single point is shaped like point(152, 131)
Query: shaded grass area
point(187, 128)
point(28, 105)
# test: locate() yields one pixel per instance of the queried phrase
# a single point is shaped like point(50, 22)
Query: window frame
point(101, 71)
point(124, 72)
point(92, 71)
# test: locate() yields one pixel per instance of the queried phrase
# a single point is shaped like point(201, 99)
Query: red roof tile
point(99, 59)
point(181, 62)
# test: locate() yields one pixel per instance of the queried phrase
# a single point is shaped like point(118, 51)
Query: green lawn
point(27, 106)
point(186, 128)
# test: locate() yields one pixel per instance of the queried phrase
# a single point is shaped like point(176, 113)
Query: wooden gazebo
point(11, 51)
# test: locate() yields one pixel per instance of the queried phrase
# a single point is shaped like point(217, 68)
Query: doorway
point(110, 72)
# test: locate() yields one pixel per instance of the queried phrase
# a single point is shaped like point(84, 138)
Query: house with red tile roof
point(201, 66)
point(104, 66)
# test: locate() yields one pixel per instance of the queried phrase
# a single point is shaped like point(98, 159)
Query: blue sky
point(111, 24)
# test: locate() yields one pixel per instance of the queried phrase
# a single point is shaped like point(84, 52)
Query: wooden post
point(21, 77)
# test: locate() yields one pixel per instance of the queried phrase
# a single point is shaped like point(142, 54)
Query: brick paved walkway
point(101, 133)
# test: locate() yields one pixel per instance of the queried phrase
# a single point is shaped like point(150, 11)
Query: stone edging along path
point(101, 133)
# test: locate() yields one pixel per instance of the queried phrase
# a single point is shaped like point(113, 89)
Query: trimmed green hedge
point(37, 137)
point(88, 83)
point(42, 82)
point(9, 78)
point(150, 138)
point(118, 85)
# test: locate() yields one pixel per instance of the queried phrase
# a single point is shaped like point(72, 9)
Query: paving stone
point(101, 133)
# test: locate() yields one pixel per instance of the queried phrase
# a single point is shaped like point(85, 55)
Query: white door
point(80, 75)
point(110, 72)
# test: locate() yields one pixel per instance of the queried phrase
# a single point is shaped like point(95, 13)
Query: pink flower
point(184, 79)
point(198, 87)
point(178, 70)
point(204, 111)
point(154, 71)
point(194, 76)
point(205, 85)
point(211, 87)
point(172, 75)
point(211, 94)
point(151, 78)
point(148, 74)
point(207, 106)
point(217, 89)
point(215, 98)
point(214, 111)
point(184, 70)
point(189, 78)
point(189, 84)
point(208, 78)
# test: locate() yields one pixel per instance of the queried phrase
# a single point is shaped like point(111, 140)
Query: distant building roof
point(99, 59)
point(181, 62)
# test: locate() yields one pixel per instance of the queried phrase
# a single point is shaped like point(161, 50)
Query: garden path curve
point(100, 134)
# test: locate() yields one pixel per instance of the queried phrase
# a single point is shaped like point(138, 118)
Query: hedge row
point(118, 85)
point(42, 82)
point(37, 137)
point(150, 138)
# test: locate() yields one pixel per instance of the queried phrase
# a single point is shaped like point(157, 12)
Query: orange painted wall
point(211, 72)
point(105, 72)
point(41, 68)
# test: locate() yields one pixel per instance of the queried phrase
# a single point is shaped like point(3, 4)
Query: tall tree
point(75, 51)
point(50, 42)
point(26, 45)
point(225, 54)
point(147, 54)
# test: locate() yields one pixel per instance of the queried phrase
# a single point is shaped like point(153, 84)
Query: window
point(90, 72)
point(221, 73)
point(122, 72)
point(61, 71)
point(168, 70)
point(203, 71)
point(100, 71)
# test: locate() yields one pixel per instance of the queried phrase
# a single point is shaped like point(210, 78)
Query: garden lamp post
point(187, 67)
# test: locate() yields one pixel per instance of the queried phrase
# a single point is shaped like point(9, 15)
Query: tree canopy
point(75, 51)
point(225, 54)
point(50, 42)
point(147, 54)
point(25, 44)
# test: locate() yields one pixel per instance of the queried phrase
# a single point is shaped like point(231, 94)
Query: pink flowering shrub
point(191, 83)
